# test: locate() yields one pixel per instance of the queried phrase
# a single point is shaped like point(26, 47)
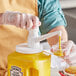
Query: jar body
point(29, 64)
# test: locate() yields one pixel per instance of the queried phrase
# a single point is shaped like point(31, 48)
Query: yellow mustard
point(59, 52)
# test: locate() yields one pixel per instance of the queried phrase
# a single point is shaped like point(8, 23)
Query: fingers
point(69, 52)
point(29, 21)
point(11, 18)
point(72, 57)
point(67, 46)
point(21, 20)
point(36, 21)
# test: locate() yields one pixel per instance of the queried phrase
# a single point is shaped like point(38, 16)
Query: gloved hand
point(21, 20)
point(29, 21)
point(70, 53)
point(69, 50)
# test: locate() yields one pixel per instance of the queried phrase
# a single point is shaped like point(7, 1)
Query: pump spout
point(46, 36)
point(34, 38)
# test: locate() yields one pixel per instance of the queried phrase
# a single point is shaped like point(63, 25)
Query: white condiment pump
point(33, 45)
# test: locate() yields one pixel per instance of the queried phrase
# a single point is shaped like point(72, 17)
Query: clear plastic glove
point(69, 50)
point(71, 56)
point(58, 63)
point(29, 21)
point(11, 18)
point(21, 20)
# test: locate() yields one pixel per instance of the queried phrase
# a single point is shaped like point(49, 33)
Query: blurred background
point(69, 9)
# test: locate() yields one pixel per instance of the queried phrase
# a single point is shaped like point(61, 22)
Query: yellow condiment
point(59, 52)
point(71, 70)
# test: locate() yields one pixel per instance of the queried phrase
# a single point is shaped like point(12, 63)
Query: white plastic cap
point(23, 48)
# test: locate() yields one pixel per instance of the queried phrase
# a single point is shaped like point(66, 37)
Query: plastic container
point(26, 63)
point(30, 59)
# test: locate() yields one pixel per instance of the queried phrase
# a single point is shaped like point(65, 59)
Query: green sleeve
point(50, 14)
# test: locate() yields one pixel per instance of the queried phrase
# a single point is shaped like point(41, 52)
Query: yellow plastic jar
point(29, 62)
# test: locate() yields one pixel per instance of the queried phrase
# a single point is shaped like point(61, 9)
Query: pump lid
point(23, 48)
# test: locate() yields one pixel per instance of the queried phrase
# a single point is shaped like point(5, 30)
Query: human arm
point(54, 40)
point(52, 19)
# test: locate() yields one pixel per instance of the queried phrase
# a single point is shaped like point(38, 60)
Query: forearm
point(54, 40)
